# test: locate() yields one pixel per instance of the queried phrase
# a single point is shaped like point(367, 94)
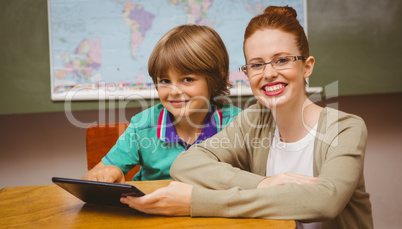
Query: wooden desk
point(49, 206)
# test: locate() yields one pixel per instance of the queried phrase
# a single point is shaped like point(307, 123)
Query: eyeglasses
point(279, 63)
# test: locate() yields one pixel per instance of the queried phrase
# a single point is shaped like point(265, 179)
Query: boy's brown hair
point(193, 49)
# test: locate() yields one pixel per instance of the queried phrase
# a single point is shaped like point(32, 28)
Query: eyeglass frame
point(295, 58)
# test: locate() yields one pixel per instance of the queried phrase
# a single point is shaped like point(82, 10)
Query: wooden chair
point(100, 139)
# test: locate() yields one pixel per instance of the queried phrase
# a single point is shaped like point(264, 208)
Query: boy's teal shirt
point(152, 142)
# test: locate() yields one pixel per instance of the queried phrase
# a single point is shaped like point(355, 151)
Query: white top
point(296, 157)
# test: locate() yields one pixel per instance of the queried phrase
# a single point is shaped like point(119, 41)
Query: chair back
point(100, 139)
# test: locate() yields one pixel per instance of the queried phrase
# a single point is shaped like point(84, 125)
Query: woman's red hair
point(283, 18)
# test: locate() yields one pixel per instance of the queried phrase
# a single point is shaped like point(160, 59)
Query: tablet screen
point(97, 192)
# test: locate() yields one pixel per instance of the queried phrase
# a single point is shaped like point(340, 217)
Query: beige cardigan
point(226, 169)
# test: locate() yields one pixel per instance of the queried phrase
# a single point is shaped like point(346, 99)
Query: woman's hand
point(105, 173)
point(174, 200)
point(285, 178)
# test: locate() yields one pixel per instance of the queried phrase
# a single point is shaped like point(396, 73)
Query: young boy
point(190, 68)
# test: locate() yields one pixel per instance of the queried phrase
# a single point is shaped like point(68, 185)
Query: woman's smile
point(273, 89)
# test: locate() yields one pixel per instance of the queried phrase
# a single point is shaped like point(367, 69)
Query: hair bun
point(281, 10)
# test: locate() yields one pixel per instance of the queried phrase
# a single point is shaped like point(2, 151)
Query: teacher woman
point(282, 158)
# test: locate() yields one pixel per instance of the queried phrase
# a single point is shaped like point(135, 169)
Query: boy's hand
point(174, 200)
point(105, 173)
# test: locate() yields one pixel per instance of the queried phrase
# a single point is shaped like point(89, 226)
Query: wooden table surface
point(49, 206)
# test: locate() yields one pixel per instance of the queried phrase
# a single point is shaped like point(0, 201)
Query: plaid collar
point(212, 125)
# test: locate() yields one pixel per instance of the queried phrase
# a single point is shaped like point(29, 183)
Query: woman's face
point(276, 88)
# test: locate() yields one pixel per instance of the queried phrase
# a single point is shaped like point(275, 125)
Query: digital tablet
point(98, 192)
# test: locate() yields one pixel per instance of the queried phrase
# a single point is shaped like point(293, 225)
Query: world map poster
point(99, 49)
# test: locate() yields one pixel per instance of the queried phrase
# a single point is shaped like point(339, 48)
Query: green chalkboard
point(357, 45)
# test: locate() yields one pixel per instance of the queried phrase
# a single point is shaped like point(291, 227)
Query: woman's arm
point(341, 170)
point(340, 177)
point(222, 161)
point(174, 199)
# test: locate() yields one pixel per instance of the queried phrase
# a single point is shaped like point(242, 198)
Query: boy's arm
point(121, 158)
point(124, 154)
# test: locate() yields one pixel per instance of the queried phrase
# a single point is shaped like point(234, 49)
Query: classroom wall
point(356, 44)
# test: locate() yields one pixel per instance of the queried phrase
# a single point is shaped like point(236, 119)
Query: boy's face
point(184, 96)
